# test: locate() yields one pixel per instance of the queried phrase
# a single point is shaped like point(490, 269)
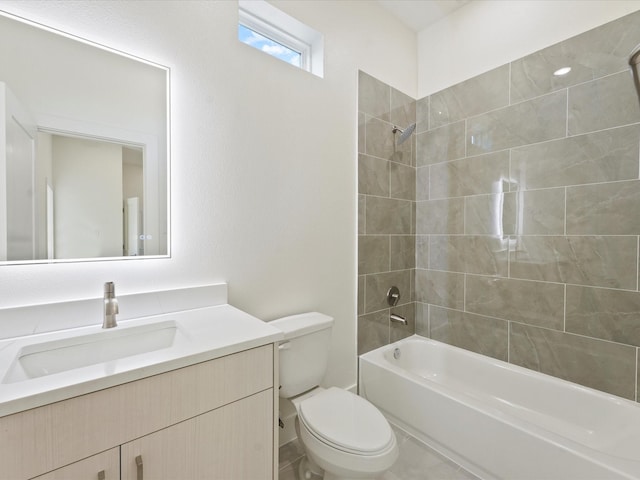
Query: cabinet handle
point(139, 465)
point(101, 475)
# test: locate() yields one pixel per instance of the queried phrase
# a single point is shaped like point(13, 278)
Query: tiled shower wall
point(386, 212)
point(527, 215)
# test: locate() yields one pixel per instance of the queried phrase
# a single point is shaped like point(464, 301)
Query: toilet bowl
point(344, 436)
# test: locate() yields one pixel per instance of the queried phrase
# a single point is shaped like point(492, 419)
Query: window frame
point(277, 35)
point(264, 19)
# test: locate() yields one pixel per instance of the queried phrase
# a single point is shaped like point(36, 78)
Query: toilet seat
point(346, 422)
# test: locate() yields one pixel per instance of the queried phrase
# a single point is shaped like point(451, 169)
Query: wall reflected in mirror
point(83, 149)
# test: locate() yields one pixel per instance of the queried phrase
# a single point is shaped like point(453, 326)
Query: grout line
point(637, 263)
point(564, 319)
point(567, 115)
point(475, 195)
point(565, 210)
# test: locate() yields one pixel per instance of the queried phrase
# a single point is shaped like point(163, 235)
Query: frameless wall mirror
point(84, 149)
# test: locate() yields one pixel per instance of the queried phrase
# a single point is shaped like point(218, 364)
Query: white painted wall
point(485, 34)
point(263, 157)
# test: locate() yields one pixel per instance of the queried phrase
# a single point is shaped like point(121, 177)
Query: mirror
point(84, 149)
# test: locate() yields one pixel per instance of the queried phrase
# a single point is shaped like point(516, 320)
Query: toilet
point(344, 436)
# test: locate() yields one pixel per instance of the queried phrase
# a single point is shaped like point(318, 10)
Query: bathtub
point(501, 421)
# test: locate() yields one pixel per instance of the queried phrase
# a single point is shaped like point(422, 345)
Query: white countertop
point(202, 334)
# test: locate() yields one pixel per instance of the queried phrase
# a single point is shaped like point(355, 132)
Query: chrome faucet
point(110, 306)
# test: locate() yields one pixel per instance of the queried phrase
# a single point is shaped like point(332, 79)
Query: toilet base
point(309, 470)
point(331, 476)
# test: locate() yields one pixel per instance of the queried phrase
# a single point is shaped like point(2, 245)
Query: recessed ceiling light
point(562, 71)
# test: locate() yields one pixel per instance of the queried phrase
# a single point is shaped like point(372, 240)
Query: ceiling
point(418, 14)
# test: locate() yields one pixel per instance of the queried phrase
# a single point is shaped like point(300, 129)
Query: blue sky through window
point(273, 48)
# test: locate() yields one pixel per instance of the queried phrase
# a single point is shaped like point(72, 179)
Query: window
point(269, 45)
point(272, 31)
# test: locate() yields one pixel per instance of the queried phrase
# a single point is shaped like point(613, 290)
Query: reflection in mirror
point(83, 149)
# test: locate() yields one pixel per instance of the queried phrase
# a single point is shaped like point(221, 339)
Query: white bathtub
point(499, 420)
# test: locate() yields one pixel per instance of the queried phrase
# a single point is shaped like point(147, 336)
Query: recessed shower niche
point(84, 149)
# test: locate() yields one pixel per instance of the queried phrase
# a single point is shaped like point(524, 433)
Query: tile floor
point(416, 462)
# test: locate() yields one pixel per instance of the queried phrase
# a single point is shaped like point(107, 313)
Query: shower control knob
point(393, 296)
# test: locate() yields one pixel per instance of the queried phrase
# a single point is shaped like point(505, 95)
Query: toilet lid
point(346, 421)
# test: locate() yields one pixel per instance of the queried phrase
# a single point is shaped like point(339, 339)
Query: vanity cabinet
point(227, 443)
point(211, 420)
point(104, 466)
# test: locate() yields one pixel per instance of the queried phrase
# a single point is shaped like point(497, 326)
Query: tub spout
point(397, 318)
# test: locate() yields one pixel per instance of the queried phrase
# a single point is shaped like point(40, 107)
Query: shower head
point(634, 63)
point(404, 134)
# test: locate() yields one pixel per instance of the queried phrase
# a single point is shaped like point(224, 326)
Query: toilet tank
point(304, 352)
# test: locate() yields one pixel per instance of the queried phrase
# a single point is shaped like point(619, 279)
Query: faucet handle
point(109, 289)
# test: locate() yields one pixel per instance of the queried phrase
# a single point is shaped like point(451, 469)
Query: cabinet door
point(103, 466)
point(231, 442)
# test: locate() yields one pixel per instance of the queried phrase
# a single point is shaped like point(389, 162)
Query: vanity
point(200, 405)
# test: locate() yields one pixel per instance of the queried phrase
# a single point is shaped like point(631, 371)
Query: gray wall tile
point(537, 120)
point(422, 183)
point(485, 255)
point(485, 92)
point(422, 114)
point(373, 254)
point(603, 313)
point(374, 97)
point(361, 293)
point(539, 212)
point(593, 54)
point(470, 176)
point(585, 260)
point(402, 181)
point(603, 156)
point(403, 109)
point(379, 140)
point(442, 144)
point(361, 131)
point(403, 252)
point(490, 214)
point(594, 363)
point(362, 205)
point(404, 153)
point(604, 209)
point(440, 216)
point(422, 319)
point(373, 331)
point(485, 335)
point(373, 175)
point(534, 303)
point(387, 215)
point(422, 251)
point(604, 103)
point(440, 288)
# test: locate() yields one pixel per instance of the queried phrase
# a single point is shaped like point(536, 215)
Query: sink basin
point(48, 358)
